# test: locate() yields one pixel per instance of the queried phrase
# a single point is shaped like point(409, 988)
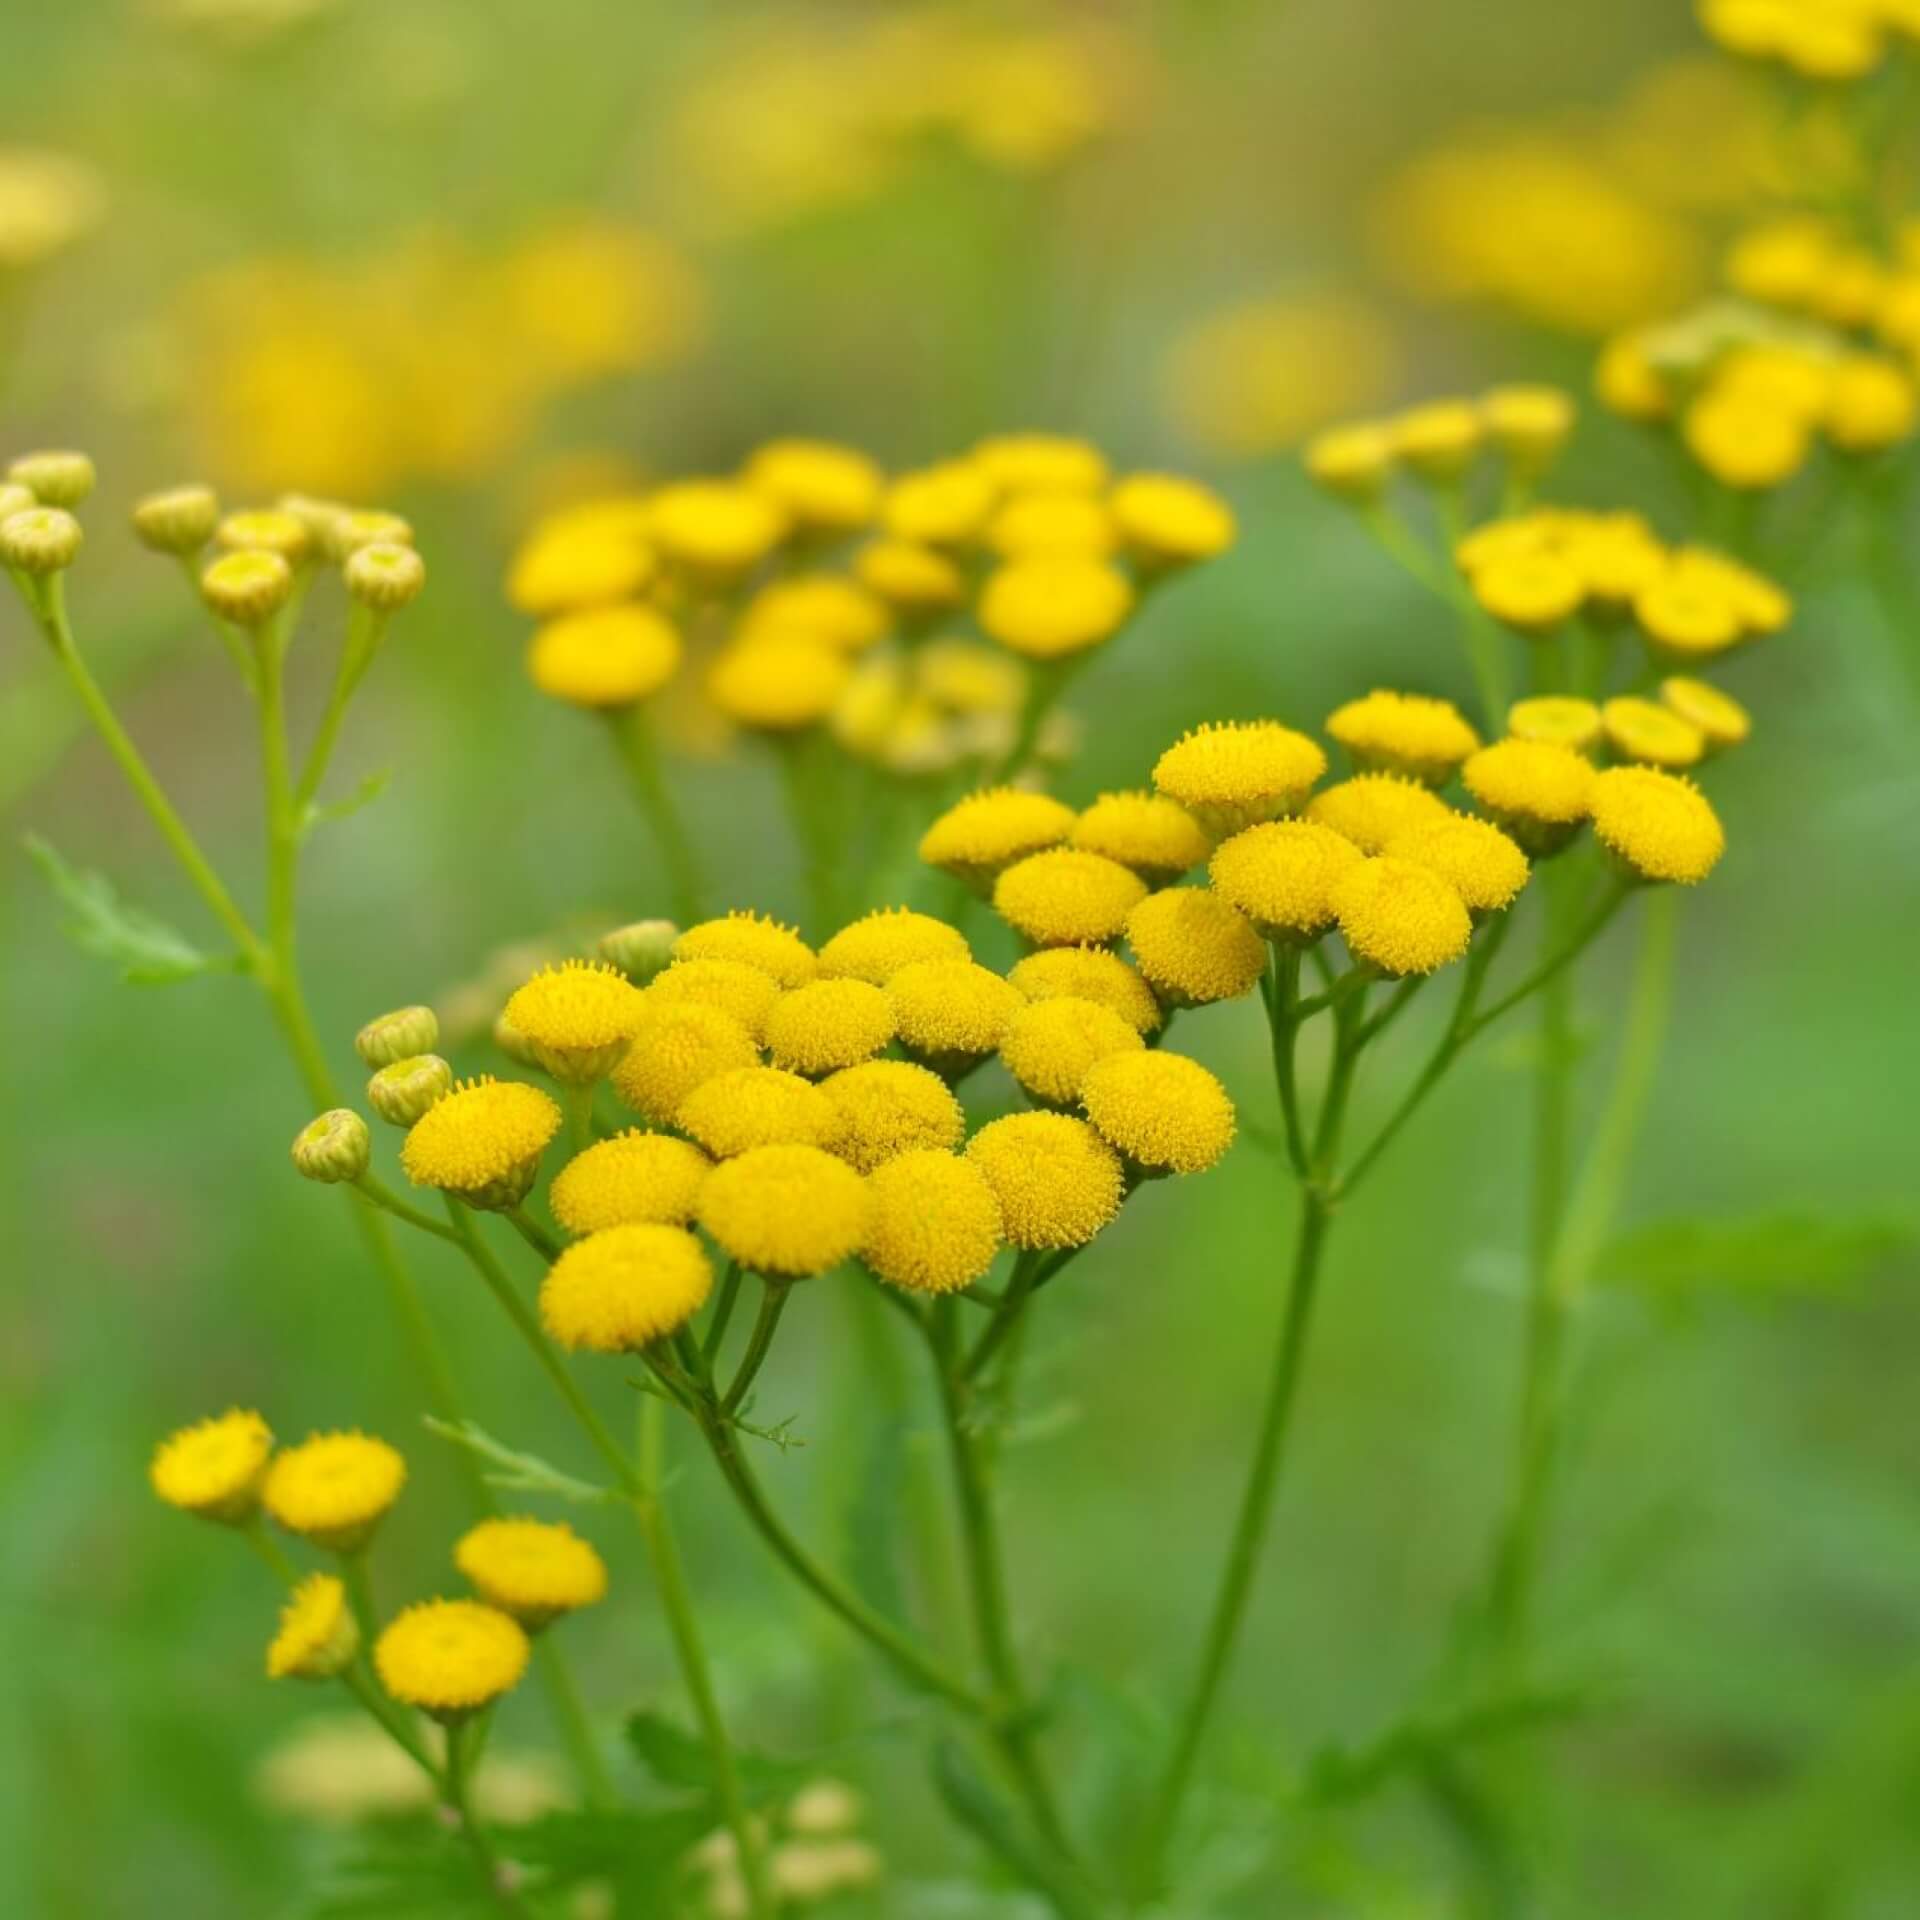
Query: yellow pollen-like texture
point(1057, 1181)
point(625, 1287)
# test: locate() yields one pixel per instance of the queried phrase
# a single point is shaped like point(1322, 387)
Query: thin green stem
point(640, 755)
point(364, 628)
point(722, 1313)
point(1283, 1019)
point(534, 1234)
point(463, 1741)
point(577, 1100)
point(376, 1193)
point(773, 1303)
point(1026, 1275)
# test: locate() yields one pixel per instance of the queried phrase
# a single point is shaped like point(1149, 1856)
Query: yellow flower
point(731, 985)
point(1657, 825)
point(604, 657)
point(1615, 558)
point(1089, 973)
point(791, 1211)
point(1400, 918)
point(1528, 424)
point(1373, 808)
point(1194, 947)
point(962, 676)
point(717, 530)
point(1065, 524)
point(1532, 593)
point(755, 941)
point(568, 565)
point(1555, 717)
point(1057, 1181)
point(1871, 405)
point(875, 947)
point(1747, 444)
point(677, 1048)
point(334, 1488)
point(1051, 1043)
point(1280, 875)
point(1050, 607)
point(1041, 463)
point(262, 530)
point(534, 1570)
point(935, 1224)
point(951, 1011)
point(634, 1179)
point(1229, 774)
point(215, 1467)
point(1162, 1112)
point(1066, 898)
point(577, 1017)
point(1645, 731)
point(482, 1142)
point(1170, 522)
point(1157, 837)
point(1628, 382)
point(1481, 864)
point(1352, 463)
point(318, 1636)
point(1783, 262)
point(1438, 441)
point(941, 506)
point(756, 1107)
point(1536, 789)
point(1721, 719)
point(1761, 606)
point(623, 1288)
point(980, 836)
point(1404, 733)
point(889, 1107)
point(822, 606)
point(778, 683)
point(1688, 616)
point(824, 488)
point(451, 1657)
point(828, 1024)
point(913, 579)
point(246, 588)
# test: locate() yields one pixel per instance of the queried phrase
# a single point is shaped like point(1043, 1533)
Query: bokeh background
point(467, 262)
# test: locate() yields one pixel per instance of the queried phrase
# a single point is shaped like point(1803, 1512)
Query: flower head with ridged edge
point(935, 1223)
point(1537, 789)
point(822, 606)
point(1407, 733)
point(1089, 973)
point(482, 1142)
point(675, 1049)
point(1651, 734)
point(1558, 718)
point(875, 947)
point(1053, 606)
point(1041, 463)
point(1659, 826)
point(1156, 837)
point(1229, 774)
point(604, 657)
point(755, 940)
point(828, 1024)
point(1194, 947)
point(1280, 875)
point(951, 1011)
point(1400, 918)
point(1162, 1112)
point(1052, 1043)
point(891, 1107)
point(535, 1570)
point(214, 1468)
point(756, 1107)
point(318, 1636)
point(717, 530)
point(577, 1017)
point(1482, 865)
point(1067, 898)
point(1167, 521)
point(824, 488)
point(979, 837)
point(1057, 1181)
point(635, 1178)
point(731, 985)
point(334, 1488)
point(778, 682)
point(450, 1658)
point(789, 1211)
point(1722, 720)
point(623, 1288)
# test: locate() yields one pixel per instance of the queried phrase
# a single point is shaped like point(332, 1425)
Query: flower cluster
point(1819, 40)
point(1439, 442)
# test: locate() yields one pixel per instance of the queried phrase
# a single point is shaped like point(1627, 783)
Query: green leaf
point(991, 1821)
point(147, 951)
point(369, 790)
point(522, 1472)
point(410, 1873)
point(680, 1760)
point(642, 1853)
point(1767, 1257)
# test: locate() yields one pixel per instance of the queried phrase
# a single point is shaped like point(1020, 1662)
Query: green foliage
point(682, 1762)
point(320, 813)
point(1680, 1264)
point(518, 1472)
point(985, 1814)
point(147, 951)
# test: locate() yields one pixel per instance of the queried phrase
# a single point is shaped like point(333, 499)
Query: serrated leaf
point(369, 790)
point(680, 1760)
point(522, 1472)
point(1767, 1257)
point(147, 951)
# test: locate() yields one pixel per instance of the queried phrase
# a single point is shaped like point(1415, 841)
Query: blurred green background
point(1735, 1571)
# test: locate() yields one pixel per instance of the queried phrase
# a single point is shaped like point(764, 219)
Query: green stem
point(1283, 1019)
point(458, 1794)
point(534, 1234)
point(364, 627)
point(578, 1103)
point(640, 755)
point(1026, 1274)
point(372, 1189)
point(773, 1303)
point(722, 1313)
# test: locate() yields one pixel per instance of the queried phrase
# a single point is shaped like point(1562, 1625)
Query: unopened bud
point(404, 1089)
point(515, 1044)
point(15, 499)
point(397, 1036)
point(641, 950)
point(355, 527)
point(266, 530)
point(41, 540)
point(247, 588)
point(337, 1146)
point(319, 517)
point(180, 520)
point(385, 576)
point(56, 479)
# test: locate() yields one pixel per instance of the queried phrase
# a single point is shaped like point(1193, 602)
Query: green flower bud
point(56, 479)
point(641, 950)
point(181, 520)
point(266, 530)
point(319, 517)
point(41, 540)
point(15, 499)
point(337, 1146)
point(404, 1089)
point(385, 576)
point(397, 1036)
point(357, 527)
point(247, 588)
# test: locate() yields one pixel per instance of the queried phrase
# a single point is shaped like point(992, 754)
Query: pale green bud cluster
point(403, 1090)
point(400, 1035)
point(334, 1147)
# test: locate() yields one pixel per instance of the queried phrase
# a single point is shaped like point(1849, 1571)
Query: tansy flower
point(1170, 522)
point(1532, 593)
point(1628, 382)
point(564, 568)
point(1353, 463)
point(1687, 616)
point(1761, 606)
point(1089, 973)
point(756, 1107)
point(935, 1224)
point(1536, 789)
point(635, 1178)
point(914, 580)
point(1054, 605)
point(875, 947)
point(1659, 826)
point(1400, 918)
point(400, 1035)
point(1746, 444)
point(754, 940)
point(978, 837)
point(1656, 736)
point(1721, 719)
point(1162, 1112)
point(939, 506)
point(577, 1017)
point(1041, 463)
point(318, 1634)
point(962, 676)
point(1232, 773)
point(334, 1488)
point(1057, 1181)
point(625, 1287)
point(534, 1570)
point(823, 488)
point(482, 1142)
point(828, 1024)
point(731, 985)
point(1529, 424)
point(215, 1467)
point(605, 657)
point(265, 530)
point(1871, 405)
point(1280, 875)
point(890, 1107)
point(675, 1049)
point(1194, 947)
point(1518, 537)
point(1484, 867)
point(717, 530)
point(1615, 561)
point(778, 683)
point(1373, 808)
point(1032, 524)
point(1404, 733)
point(1157, 837)
point(1557, 718)
point(823, 606)
point(1438, 441)
point(788, 1211)
point(1051, 1044)
point(1066, 898)
point(449, 1658)
point(951, 1012)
